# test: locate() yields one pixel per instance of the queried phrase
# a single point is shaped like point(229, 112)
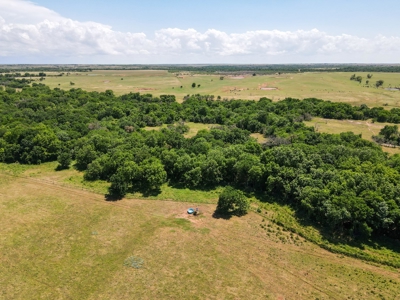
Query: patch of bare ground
point(267, 86)
point(259, 137)
point(231, 89)
point(144, 89)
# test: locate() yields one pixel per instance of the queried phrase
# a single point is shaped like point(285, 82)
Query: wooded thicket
point(341, 181)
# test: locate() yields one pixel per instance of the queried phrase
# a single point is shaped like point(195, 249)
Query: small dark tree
point(359, 79)
point(369, 76)
point(232, 202)
point(221, 78)
point(93, 171)
point(85, 156)
point(379, 83)
point(119, 185)
point(64, 160)
point(390, 132)
point(154, 175)
point(193, 85)
point(198, 85)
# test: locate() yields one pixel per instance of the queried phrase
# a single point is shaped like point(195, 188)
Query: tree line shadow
point(357, 241)
point(145, 191)
point(335, 238)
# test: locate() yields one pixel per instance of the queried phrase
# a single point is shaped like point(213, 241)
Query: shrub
point(233, 202)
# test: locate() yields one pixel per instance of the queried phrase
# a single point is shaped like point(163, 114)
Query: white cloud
point(25, 12)
point(28, 30)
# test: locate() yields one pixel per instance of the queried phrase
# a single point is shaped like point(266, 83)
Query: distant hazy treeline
point(255, 69)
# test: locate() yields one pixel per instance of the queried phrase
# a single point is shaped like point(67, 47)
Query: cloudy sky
point(206, 31)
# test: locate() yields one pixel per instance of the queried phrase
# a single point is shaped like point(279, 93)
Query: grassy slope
point(327, 86)
point(366, 128)
point(62, 242)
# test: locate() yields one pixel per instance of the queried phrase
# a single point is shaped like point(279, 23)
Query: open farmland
point(63, 240)
point(327, 86)
point(367, 129)
point(199, 150)
point(60, 242)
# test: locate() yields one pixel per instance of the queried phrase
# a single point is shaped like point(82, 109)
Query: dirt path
point(369, 127)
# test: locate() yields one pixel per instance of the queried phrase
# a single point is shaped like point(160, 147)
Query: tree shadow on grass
point(334, 238)
point(113, 197)
point(202, 188)
point(356, 239)
point(146, 192)
point(150, 192)
point(79, 167)
point(219, 215)
point(61, 168)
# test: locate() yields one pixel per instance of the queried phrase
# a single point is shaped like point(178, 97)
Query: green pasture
point(61, 238)
point(328, 86)
point(60, 241)
point(367, 129)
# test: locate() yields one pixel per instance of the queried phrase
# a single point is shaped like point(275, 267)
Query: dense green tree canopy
point(342, 182)
point(233, 202)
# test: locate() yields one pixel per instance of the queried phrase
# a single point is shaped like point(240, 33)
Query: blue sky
point(362, 18)
point(174, 31)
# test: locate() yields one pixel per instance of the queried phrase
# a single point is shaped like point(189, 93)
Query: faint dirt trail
point(369, 127)
point(78, 195)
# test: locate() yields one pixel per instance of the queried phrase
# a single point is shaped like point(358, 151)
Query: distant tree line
point(276, 68)
point(26, 74)
point(212, 69)
point(9, 81)
point(45, 68)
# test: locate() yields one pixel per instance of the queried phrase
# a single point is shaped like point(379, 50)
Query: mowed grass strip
point(73, 246)
point(327, 86)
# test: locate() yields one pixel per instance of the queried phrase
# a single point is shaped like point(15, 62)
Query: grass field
point(366, 128)
point(60, 238)
point(327, 86)
point(193, 128)
point(61, 242)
